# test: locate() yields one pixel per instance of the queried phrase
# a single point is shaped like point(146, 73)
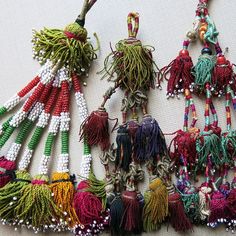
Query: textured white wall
point(163, 24)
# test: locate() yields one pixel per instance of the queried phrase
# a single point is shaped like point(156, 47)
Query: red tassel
point(131, 220)
point(185, 145)
point(178, 218)
point(218, 208)
point(95, 129)
point(180, 73)
point(8, 173)
point(222, 75)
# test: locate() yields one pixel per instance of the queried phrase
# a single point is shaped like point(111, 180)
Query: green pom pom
point(11, 193)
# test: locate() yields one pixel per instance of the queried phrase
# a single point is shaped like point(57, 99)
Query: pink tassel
point(218, 209)
point(89, 210)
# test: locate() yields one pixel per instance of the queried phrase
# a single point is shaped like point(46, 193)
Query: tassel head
point(95, 129)
point(56, 45)
point(180, 74)
point(202, 71)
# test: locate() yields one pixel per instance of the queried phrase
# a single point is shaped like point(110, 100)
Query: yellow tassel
point(63, 194)
point(156, 205)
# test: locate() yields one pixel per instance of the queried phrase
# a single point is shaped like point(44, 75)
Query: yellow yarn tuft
point(156, 205)
point(63, 194)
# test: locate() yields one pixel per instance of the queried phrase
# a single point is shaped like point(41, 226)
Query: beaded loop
point(133, 29)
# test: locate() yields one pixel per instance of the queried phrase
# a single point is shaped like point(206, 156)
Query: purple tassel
point(150, 141)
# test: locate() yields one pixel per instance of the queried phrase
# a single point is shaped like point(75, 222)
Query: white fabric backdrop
point(163, 24)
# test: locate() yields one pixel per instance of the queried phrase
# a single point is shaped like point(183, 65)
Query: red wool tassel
point(222, 75)
point(185, 145)
point(180, 73)
point(218, 208)
point(131, 220)
point(7, 169)
point(178, 218)
point(95, 129)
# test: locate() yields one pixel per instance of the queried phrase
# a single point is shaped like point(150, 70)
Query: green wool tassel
point(208, 144)
point(98, 188)
point(191, 206)
point(228, 144)
point(203, 69)
point(36, 207)
point(69, 46)
point(11, 193)
point(132, 65)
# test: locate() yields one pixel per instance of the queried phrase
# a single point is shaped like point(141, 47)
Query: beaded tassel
point(62, 185)
point(92, 219)
point(38, 192)
point(10, 194)
point(30, 203)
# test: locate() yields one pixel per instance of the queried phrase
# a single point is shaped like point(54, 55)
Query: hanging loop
point(133, 24)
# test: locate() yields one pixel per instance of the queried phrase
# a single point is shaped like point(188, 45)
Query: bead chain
point(83, 114)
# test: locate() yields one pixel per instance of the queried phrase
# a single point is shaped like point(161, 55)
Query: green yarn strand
point(36, 204)
point(97, 187)
point(208, 144)
point(87, 150)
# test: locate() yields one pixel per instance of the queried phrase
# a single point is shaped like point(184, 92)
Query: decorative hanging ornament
point(132, 69)
point(65, 56)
